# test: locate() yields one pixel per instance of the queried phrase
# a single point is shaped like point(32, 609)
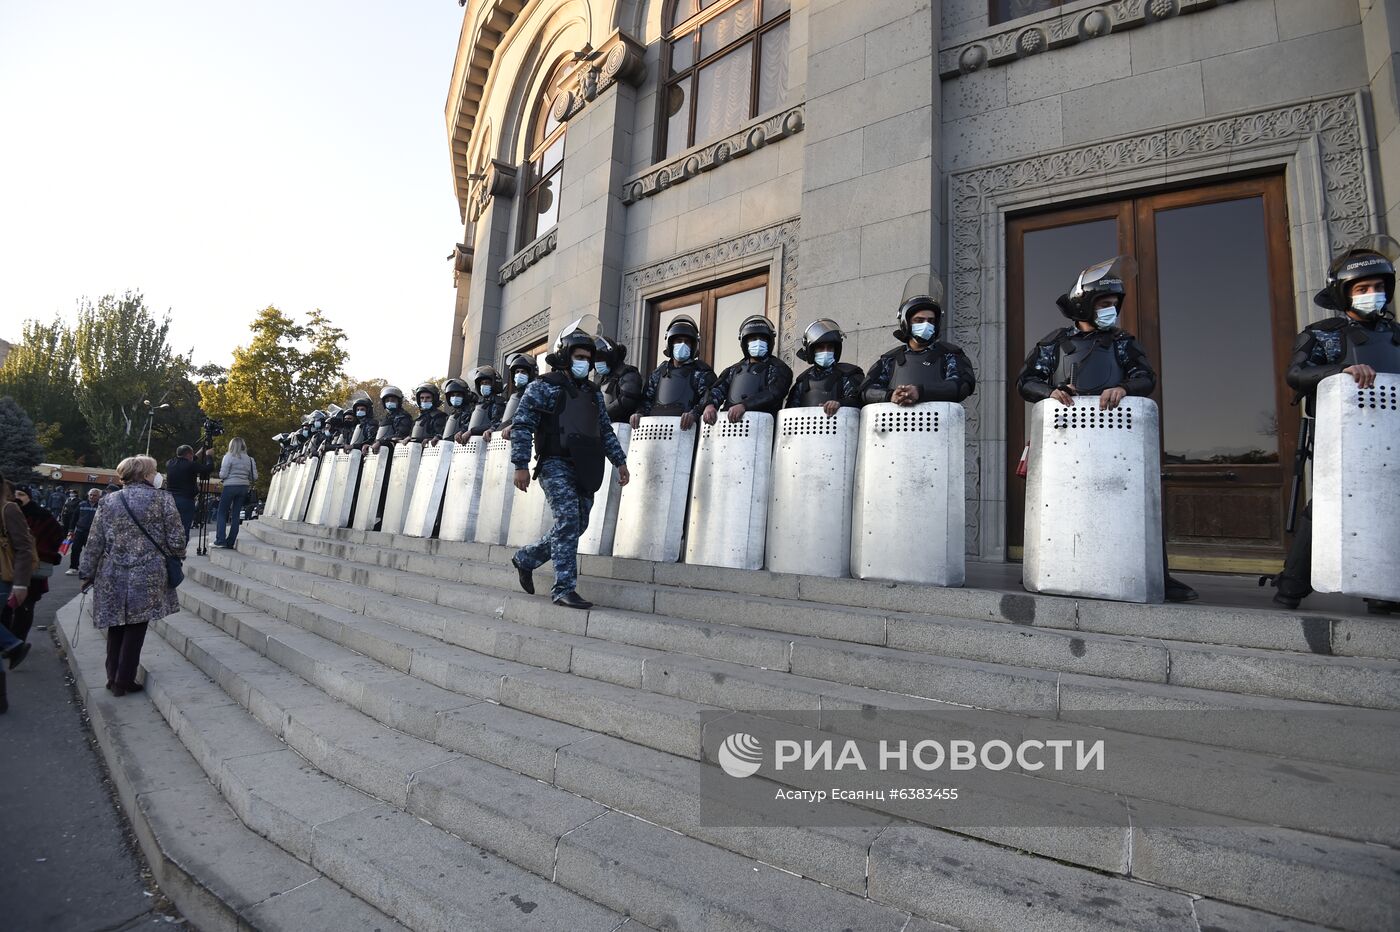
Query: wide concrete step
point(826, 673)
point(217, 871)
point(1263, 627)
point(1287, 674)
point(620, 774)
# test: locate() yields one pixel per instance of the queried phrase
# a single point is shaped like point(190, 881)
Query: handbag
point(174, 566)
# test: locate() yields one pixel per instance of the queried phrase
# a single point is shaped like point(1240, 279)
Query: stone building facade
point(632, 158)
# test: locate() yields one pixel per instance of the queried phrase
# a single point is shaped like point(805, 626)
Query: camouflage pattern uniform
point(556, 476)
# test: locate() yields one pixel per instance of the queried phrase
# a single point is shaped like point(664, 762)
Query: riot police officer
point(1362, 340)
point(829, 383)
point(521, 370)
point(925, 367)
point(759, 382)
point(431, 418)
point(681, 384)
point(1093, 356)
point(459, 407)
point(488, 403)
point(565, 417)
point(316, 438)
point(361, 422)
point(397, 423)
point(621, 383)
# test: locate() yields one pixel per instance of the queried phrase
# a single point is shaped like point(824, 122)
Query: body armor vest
point(1089, 363)
point(674, 395)
point(452, 426)
point(922, 369)
point(386, 432)
point(360, 435)
point(748, 380)
point(512, 405)
point(816, 390)
point(1379, 349)
point(622, 406)
point(571, 432)
point(480, 421)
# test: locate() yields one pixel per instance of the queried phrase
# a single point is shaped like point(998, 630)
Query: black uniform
point(429, 424)
point(677, 388)
point(940, 371)
point(757, 384)
point(816, 386)
point(623, 392)
point(400, 424)
point(486, 413)
point(1089, 361)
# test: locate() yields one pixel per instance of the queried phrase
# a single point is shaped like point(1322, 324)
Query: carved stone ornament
point(521, 333)
point(979, 197)
point(462, 256)
point(528, 256)
point(1056, 28)
point(619, 59)
point(749, 139)
point(499, 182)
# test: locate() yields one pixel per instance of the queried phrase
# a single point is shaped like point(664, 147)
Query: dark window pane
point(682, 53)
point(1003, 10)
point(725, 28)
point(722, 94)
point(773, 69)
point(1218, 402)
point(1052, 260)
point(772, 9)
point(677, 117)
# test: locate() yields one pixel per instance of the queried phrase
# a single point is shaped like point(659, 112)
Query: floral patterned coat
point(128, 571)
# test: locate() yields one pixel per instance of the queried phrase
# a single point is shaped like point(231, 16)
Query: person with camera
point(238, 472)
point(183, 473)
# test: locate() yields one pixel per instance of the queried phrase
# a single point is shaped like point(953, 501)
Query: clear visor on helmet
point(588, 325)
point(822, 331)
point(333, 411)
point(1102, 275)
point(922, 285)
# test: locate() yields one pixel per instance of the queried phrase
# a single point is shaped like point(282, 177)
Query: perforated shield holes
point(906, 422)
point(725, 428)
point(1077, 418)
point(645, 432)
point(1380, 397)
point(797, 425)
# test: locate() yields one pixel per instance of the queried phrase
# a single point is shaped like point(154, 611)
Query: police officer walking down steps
point(564, 415)
point(1361, 341)
point(681, 384)
point(926, 367)
point(1093, 356)
point(759, 382)
point(829, 384)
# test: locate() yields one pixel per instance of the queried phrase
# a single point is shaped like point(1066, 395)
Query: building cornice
point(532, 253)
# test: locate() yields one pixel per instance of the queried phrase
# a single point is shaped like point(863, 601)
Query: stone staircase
point(390, 732)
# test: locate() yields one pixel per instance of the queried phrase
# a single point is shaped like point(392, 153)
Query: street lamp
point(150, 420)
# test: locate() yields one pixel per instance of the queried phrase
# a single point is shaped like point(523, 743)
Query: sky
point(223, 156)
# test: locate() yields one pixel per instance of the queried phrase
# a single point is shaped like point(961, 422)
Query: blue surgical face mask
point(391, 406)
point(320, 424)
point(579, 368)
point(361, 412)
point(455, 400)
point(426, 405)
point(522, 379)
point(485, 390)
point(680, 352)
point(602, 369)
point(923, 331)
point(825, 359)
point(1106, 317)
point(1369, 304)
point(758, 348)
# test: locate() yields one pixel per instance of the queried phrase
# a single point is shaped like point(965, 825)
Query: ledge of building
point(535, 251)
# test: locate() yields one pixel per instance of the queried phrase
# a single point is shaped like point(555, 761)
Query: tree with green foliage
point(19, 444)
point(286, 370)
point(41, 374)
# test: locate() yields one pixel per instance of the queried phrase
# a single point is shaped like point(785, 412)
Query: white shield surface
point(273, 505)
point(461, 497)
point(370, 496)
point(1094, 501)
point(602, 519)
point(305, 485)
point(908, 509)
point(1356, 478)
point(347, 477)
point(321, 490)
point(334, 478)
point(729, 493)
point(403, 473)
point(497, 493)
point(423, 507)
point(814, 471)
point(651, 516)
point(294, 473)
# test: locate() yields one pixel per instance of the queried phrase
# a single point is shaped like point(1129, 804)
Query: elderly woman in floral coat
point(124, 562)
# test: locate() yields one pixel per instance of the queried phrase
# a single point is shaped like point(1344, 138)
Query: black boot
point(1178, 591)
point(16, 654)
point(527, 577)
point(571, 599)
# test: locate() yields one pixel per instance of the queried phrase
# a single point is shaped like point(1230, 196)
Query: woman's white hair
point(236, 447)
point(136, 469)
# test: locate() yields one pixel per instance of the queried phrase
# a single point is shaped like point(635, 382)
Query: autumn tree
point(41, 374)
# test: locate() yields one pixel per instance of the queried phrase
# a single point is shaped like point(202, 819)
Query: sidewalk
point(68, 861)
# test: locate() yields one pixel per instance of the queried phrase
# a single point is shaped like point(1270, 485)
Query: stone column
point(1380, 26)
point(491, 205)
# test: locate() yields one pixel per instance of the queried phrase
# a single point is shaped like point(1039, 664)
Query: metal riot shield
point(1094, 501)
point(497, 493)
point(530, 517)
point(651, 516)
point(907, 523)
point(305, 486)
point(809, 513)
point(729, 493)
point(461, 497)
point(1356, 474)
point(293, 472)
point(273, 505)
point(402, 476)
point(369, 497)
point(347, 477)
point(602, 519)
point(426, 501)
point(321, 490)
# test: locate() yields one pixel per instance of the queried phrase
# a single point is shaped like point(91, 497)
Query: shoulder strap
point(142, 528)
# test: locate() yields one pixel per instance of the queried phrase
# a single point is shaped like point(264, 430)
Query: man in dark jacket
point(926, 367)
point(183, 474)
point(82, 523)
point(681, 384)
point(759, 382)
point(829, 384)
point(621, 383)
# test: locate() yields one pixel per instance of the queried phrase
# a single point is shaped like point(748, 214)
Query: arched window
point(542, 174)
point(726, 62)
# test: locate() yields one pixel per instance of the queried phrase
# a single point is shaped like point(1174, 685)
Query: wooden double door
point(1212, 304)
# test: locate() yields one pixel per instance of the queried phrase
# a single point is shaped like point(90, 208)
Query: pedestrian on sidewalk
point(238, 472)
point(48, 535)
point(136, 529)
point(80, 528)
point(17, 558)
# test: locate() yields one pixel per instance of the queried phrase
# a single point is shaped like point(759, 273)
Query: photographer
point(183, 474)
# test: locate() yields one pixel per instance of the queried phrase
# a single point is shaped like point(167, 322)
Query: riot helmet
point(317, 419)
point(820, 331)
point(333, 413)
point(360, 399)
point(757, 327)
point(681, 327)
point(1368, 257)
point(1108, 278)
point(455, 387)
point(922, 292)
point(487, 374)
point(391, 391)
point(520, 362)
point(575, 335)
point(430, 389)
point(605, 350)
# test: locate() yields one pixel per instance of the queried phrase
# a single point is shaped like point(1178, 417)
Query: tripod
point(202, 514)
